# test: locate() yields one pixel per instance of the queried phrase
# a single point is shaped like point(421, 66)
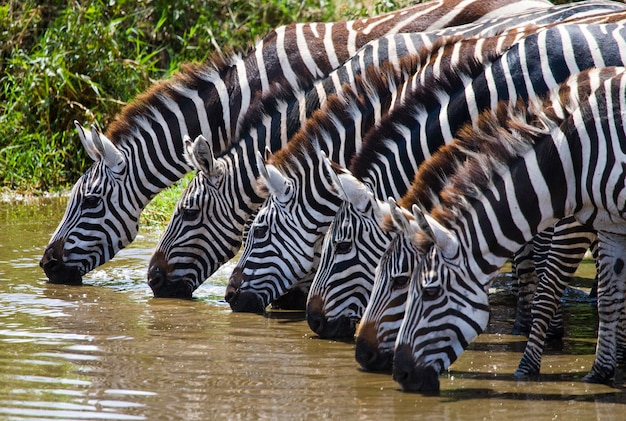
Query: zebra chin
point(341, 327)
point(413, 377)
point(371, 358)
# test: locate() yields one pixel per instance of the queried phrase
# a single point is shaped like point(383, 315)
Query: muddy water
point(108, 350)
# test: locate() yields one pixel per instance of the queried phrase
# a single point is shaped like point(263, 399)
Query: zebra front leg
point(611, 266)
point(545, 306)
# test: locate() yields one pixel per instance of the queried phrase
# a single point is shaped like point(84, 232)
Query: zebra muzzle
point(55, 269)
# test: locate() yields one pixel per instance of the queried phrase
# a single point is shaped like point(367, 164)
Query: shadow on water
point(109, 350)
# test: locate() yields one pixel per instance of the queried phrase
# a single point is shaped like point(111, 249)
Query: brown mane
point(192, 75)
point(341, 107)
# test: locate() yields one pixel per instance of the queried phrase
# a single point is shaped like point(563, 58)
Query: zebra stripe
point(308, 222)
point(207, 99)
point(563, 163)
point(181, 245)
point(332, 310)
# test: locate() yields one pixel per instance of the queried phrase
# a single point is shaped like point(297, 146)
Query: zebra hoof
point(524, 376)
point(600, 376)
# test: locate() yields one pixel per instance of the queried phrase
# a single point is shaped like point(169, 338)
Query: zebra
point(354, 243)
point(190, 250)
point(142, 151)
point(338, 134)
point(563, 160)
point(294, 257)
point(206, 227)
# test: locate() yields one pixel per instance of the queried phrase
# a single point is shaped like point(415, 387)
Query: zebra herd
point(379, 173)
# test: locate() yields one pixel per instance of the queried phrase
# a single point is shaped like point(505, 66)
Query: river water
point(108, 350)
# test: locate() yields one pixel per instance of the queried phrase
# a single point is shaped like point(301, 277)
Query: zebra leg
point(611, 266)
point(524, 272)
point(568, 244)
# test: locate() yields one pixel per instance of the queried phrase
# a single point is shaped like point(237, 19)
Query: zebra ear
point(87, 142)
point(354, 191)
point(399, 219)
point(276, 183)
point(438, 234)
point(109, 153)
point(200, 154)
point(327, 167)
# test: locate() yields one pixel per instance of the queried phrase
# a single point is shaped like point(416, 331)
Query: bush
point(83, 60)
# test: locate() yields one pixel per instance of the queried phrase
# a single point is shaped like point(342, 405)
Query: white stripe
point(329, 46)
point(283, 58)
point(305, 53)
point(258, 54)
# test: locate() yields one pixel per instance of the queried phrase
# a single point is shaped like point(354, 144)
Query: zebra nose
point(55, 269)
point(412, 378)
point(369, 355)
point(52, 256)
point(246, 302)
point(372, 359)
point(157, 271)
point(314, 316)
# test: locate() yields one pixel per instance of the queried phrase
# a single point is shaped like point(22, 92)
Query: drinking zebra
point(432, 120)
point(190, 251)
point(562, 160)
point(142, 151)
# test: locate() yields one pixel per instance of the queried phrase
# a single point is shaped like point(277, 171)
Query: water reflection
point(108, 350)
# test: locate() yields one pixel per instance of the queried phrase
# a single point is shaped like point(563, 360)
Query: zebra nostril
point(315, 321)
point(156, 278)
point(231, 295)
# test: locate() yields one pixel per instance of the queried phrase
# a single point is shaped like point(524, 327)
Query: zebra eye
point(260, 232)
point(431, 292)
point(190, 214)
point(399, 281)
point(343, 247)
point(90, 202)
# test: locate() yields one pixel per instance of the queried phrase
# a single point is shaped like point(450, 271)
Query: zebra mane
point(501, 137)
point(269, 102)
point(190, 75)
point(424, 97)
point(342, 110)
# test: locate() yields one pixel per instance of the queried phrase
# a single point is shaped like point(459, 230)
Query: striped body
point(355, 241)
point(272, 268)
point(190, 251)
point(562, 159)
point(142, 152)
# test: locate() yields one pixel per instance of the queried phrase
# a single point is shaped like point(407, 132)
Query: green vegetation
point(66, 61)
point(84, 60)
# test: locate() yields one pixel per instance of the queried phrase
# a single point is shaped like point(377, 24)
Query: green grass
point(66, 61)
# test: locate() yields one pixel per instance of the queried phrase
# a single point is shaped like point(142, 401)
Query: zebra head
point(351, 250)
point(445, 310)
point(379, 326)
point(283, 245)
point(99, 219)
point(204, 231)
